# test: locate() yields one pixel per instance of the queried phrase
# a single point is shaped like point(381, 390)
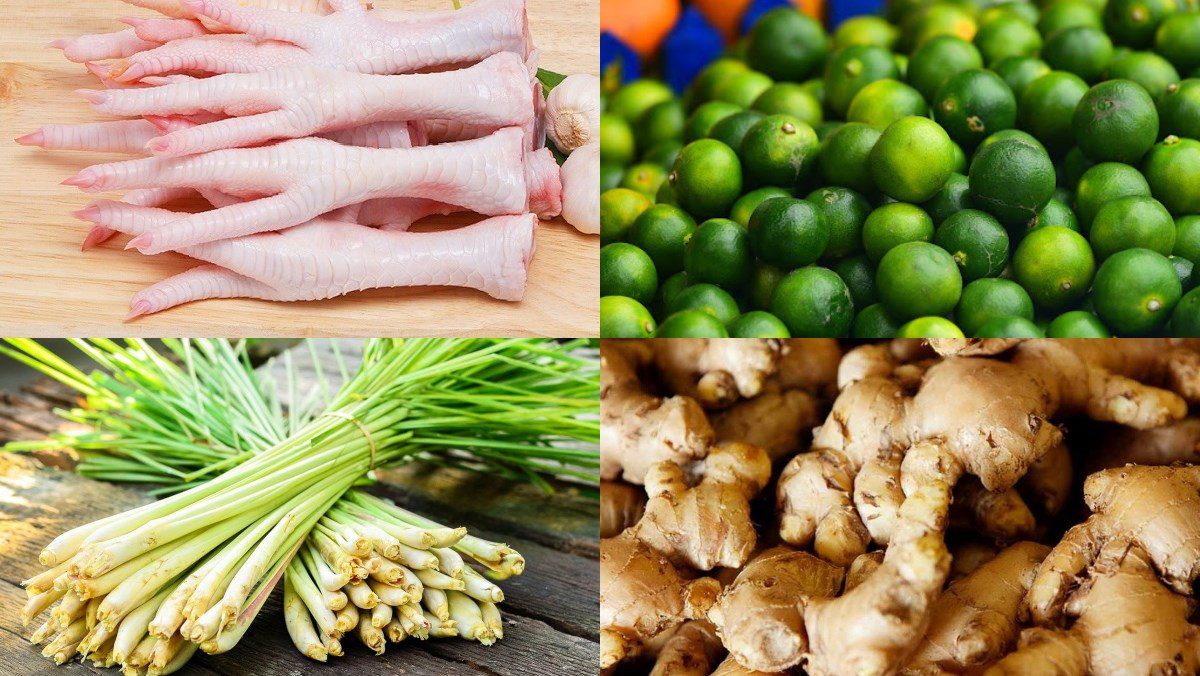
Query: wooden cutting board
point(49, 288)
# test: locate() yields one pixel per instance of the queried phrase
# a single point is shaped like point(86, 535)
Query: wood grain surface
point(49, 288)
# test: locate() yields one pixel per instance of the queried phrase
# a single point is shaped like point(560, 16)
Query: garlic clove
point(581, 189)
point(573, 112)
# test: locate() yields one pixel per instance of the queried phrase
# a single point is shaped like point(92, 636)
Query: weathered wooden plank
point(525, 643)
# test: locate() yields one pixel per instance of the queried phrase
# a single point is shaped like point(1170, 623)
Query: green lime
point(865, 30)
point(763, 281)
point(937, 19)
point(912, 159)
point(891, 225)
point(663, 153)
point(858, 272)
point(668, 290)
point(1187, 238)
point(741, 89)
point(988, 298)
point(1010, 134)
point(707, 178)
point(788, 232)
point(852, 68)
point(1019, 71)
point(619, 208)
point(1179, 109)
point(952, 198)
point(666, 194)
point(883, 102)
point(1185, 320)
point(789, 98)
point(662, 231)
point(1115, 121)
point(1007, 36)
point(780, 150)
point(1062, 14)
point(826, 128)
point(1133, 22)
point(719, 253)
point(616, 140)
point(758, 324)
point(626, 270)
point(1021, 9)
point(706, 82)
point(1183, 270)
point(1136, 291)
point(610, 176)
point(845, 156)
point(706, 298)
point(645, 178)
point(973, 104)
point(937, 60)
point(786, 44)
point(744, 208)
point(691, 324)
point(813, 302)
point(1083, 50)
point(1047, 106)
point(634, 99)
point(976, 241)
point(1055, 265)
point(1077, 324)
point(1178, 39)
point(1132, 223)
point(622, 317)
point(1148, 69)
point(1105, 182)
point(1009, 327)
point(816, 87)
point(662, 122)
point(916, 279)
point(732, 130)
point(1054, 214)
point(960, 159)
point(1074, 164)
point(873, 322)
point(1172, 169)
point(844, 211)
point(701, 122)
point(1011, 180)
point(929, 327)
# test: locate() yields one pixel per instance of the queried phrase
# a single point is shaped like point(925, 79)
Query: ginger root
point(641, 595)
point(778, 421)
point(760, 616)
point(716, 372)
point(706, 525)
point(621, 506)
point(638, 429)
point(693, 650)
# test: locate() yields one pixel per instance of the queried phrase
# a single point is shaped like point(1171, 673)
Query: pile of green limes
point(960, 167)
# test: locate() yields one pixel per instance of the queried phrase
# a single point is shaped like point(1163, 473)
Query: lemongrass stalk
point(449, 562)
point(36, 605)
point(165, 650)
point(347, 618)
point(43, 632)
point(432, 578)
point(416, 559)
point(480, 589)
point(371, 564)
point(181, 657)
point(412, 536)
point(229, 638)
point(90, 588)
point(361, 595)
point(389, 595)
point(468, 618)
point(381, 541)
point(140, 657)
point(336, 557)
point(321, 572)
point(334, 647)
point(307, 591)
point(372, 637)
point(395, 520)
point(299, 624)
point(389, 572)
point(381, 615)
point(64, 582)
point(395, 631)
point(89, 614)
point(96, 636)
point(435, 601)
point(44, 581)
point(334, 601)
point(411, 584)
point(69, 609)
point(444, 629)
point(491, 617)
point(69, 636)
point(136, 624)
point(419, 626)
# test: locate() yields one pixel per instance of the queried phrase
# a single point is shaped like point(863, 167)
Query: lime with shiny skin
point(1183, 270)
point(951, 199)
point(1103, 183)
point(813, 302)
point(1007, 36)
point(732, 129)
point(626, 270)
point(707, 178)
point(865, 30)
point(1077, 324)
point(1132, 223)
point(622, 317)
point(1115, 121)
point(667, 291)
point(790, 98)
point(744, 208)
point(662, 122)
point(1047, 106)
point(1172, 168)
point(850, 69)
point(1009, 327)
point(1185, 319)
point(700, 91)
point(1083, 50)
point(891, 225)
point(741, 89)
point(1054, 214)
point(858, 272)
point(1135, 292)
point(844, 211)
point(976, 241)
point(912, 159)
point(617, 145)
point(918, 279)
point(1055, 265)
point(663, 153)
point(1008, 135)
point(758, 324)
point(763, 281)
point(1179, 109)
point(1133, 23)
point(1187, 238)
point(1148, 69)
point(937, 60)
point(788, 233)
point(619, 208)
point(779, 150)
point(973, 104)
point(634, 99)
point(786, 44)
point(1178, 39)
point(1019, 71)
point(1011, 180)
point(662, 231)
point(883, 102)
point(718, 252)
point(691, 324)
point(701, 122)
point(610, 176)
point(845, 157)
point(873, 322)
point(985, 299)
point(1062, 14)
point(645, 177)
point(708, 298)
point(929, 327)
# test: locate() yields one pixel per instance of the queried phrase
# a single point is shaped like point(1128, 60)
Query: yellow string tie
point(362, 428)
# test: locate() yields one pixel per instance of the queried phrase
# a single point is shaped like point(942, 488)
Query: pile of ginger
point(906, 507)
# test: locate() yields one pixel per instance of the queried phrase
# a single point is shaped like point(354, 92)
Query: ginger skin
point(974, 621)
point(621, 506)
point(716, 372)
point(709, 524)
point(693, 650)
point(760, 616)
point(1117, 446)
point(778, 421)
point(1126, 622)
point(637, 429)
point(641, 595)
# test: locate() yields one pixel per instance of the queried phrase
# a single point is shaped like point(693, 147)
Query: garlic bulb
point(581, 189)
point(573, 112)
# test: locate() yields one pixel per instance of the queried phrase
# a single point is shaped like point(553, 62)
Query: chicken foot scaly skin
point(325, 258)
point(306, 178)
point(351, 38)
point(299, 102)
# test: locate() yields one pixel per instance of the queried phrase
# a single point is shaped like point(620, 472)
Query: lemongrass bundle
point(146, 588)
